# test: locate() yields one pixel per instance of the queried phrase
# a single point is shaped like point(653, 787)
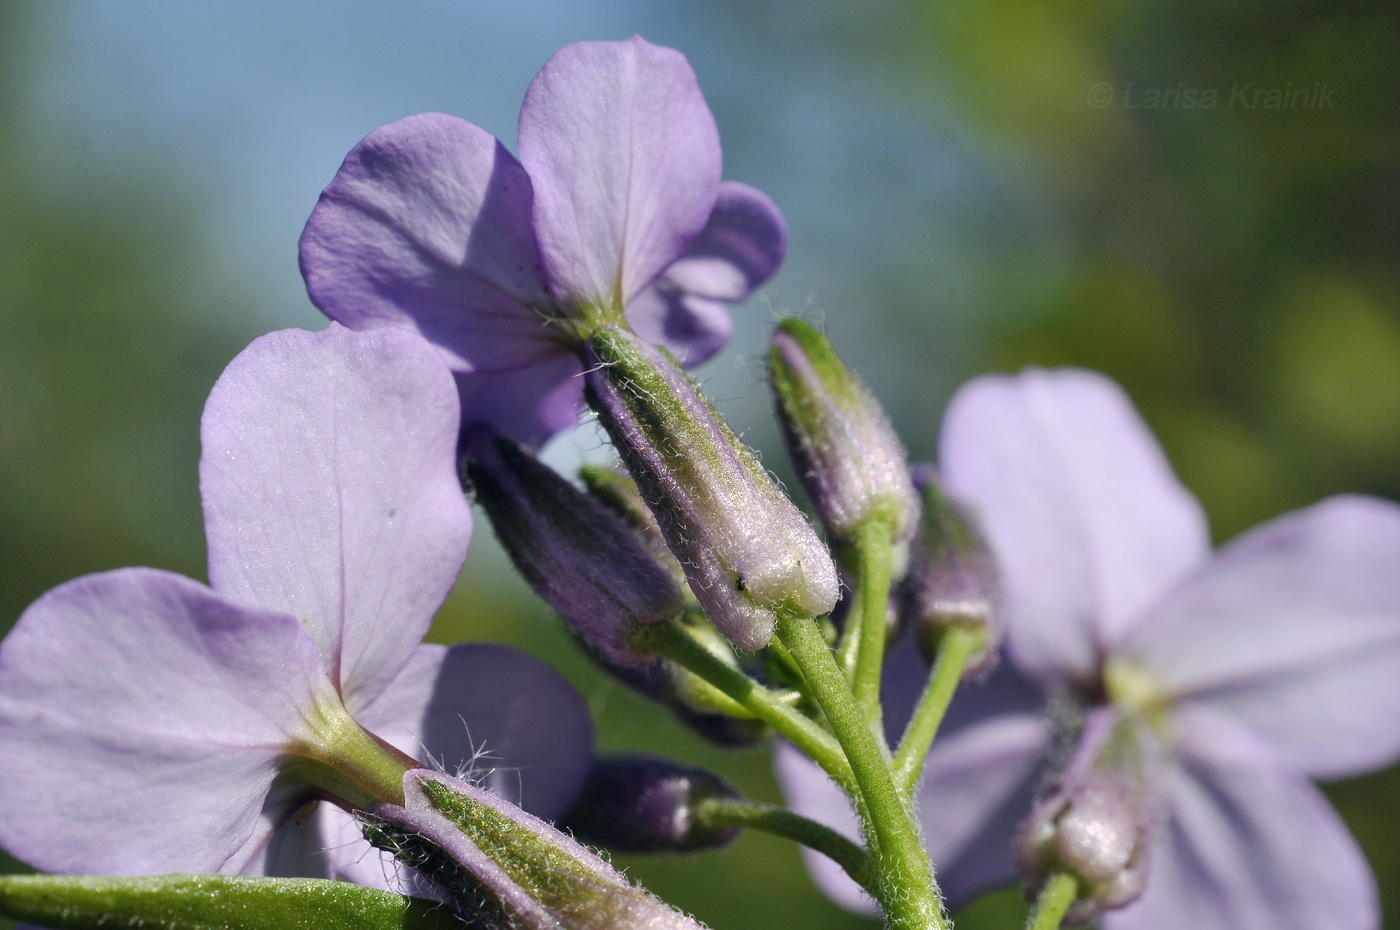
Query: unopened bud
point(575, 552)
point(502, 869)
point(747, 551)
point(633, 804)
point(846, 453)
point(952, 578)
point(1095, 824)
point(620, 493)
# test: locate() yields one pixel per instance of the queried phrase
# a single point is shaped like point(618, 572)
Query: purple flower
point(1272, 662)
point(152, 724)
point(614, 209)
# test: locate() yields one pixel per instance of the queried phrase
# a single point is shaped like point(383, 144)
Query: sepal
point(747, 550)
point(503, 869)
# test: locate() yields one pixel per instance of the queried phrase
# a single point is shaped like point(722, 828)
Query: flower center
point(1134, 690)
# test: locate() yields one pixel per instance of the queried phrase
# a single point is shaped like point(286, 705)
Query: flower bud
point(634, 804)
point(500, 868)
point(574, 551)
point(746, 550)
point(620, 493)
point(1096, 822)
point(952, 579)
point(846, 453)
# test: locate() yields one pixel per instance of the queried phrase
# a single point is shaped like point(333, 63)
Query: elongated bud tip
point(1096, 821)
point(747, 551)
point(574, 551)
point(952, 579)
point(634, 804)
point(851, 463)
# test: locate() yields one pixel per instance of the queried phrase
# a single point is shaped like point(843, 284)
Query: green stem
point(751, 815)
point(956, 646)
point(1056, 895)
point(673, 641)
point(903, 876)
point(873, 572)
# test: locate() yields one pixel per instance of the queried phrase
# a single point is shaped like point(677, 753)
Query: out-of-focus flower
point(152, 724)
point(615, 210)
point(1275, 660)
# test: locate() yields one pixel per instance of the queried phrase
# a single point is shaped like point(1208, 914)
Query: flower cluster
point(1023, 661)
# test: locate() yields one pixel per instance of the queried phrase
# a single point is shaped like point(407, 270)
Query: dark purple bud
point(846, 453)
point(503, 869)
point(1096, 821)
point(746, 550)
point(952, 578)
point(574, 551)
point(633, 804)
point(621, 494)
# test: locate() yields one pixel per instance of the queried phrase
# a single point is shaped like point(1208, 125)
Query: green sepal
point(213, 902)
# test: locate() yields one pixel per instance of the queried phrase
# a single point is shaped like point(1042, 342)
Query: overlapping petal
point(330, 492)
point(427, 225)
point(741, 246)
point(1294, 630)
point(1089, 525)
point(1247, 842)
point(625, 160)
point(143, 717)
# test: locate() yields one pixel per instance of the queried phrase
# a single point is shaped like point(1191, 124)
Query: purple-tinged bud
point(843, 447)
point(746, 549)
point(620, 493)
point(503, 869)
point(952, 578)
point(1097, 819)
point(635, 804)
point(574, 551)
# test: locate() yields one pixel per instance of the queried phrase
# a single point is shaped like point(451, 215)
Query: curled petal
point(427, 226)
point(739, 249)
point(743, 243)
point(1247, 842)
point(331, 493)
point(1089, 525)
point(692, 328)
point(625, 160)
point(1294, 630)
point(144, 719)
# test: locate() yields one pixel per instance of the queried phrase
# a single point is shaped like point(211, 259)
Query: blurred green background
point(971, 185)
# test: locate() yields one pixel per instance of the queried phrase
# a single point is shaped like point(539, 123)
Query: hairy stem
point(955, 648)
